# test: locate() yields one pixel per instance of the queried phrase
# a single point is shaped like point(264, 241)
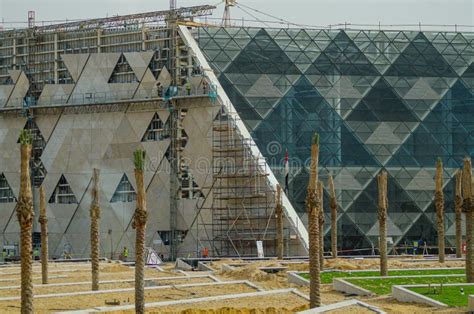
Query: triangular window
point(6, 193)
point(189, 188)
point(124, 191)
point(39, 143)
point(123, 72)
point(63, 193)
point(157, 130)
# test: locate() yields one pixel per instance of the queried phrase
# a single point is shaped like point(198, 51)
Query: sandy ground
point(153, 295)
point(282, 303)
point(39, 290)
point(328, 295)
point(108, 271)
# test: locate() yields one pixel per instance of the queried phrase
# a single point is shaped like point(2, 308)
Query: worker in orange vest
point(205, 252)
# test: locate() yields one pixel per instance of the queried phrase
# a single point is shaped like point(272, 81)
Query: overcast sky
point(311, 12)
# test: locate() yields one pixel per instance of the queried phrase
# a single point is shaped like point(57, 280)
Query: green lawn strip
point(450, 295)
point(382, 286)
point(326, 277)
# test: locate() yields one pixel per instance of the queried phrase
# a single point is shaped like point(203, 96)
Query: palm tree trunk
point(44, 237)
point(312, 207)
point(383, 204)
point(333, 205)
point(458, 211)
point(468, 210)
point(139, 224)
point(95, 235)
point(439, 202)
point(279, 223)
point(25, 215)
point(469, 243)
point(321, 225)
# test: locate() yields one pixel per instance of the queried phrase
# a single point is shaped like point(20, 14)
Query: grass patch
point(449, 295)
point(383, 286)
point(326, 277)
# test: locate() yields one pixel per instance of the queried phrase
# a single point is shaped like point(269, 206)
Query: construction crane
point(172, 4)
point(123, 20)
point(226, 17)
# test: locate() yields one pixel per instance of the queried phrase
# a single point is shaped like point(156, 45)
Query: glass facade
point(388, 100)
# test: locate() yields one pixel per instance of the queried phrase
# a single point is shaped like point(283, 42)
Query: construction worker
point(125, 253)
point(205, 87)
point(188, 87)
point(205, 252)
point(36, 253)
point(159, 89)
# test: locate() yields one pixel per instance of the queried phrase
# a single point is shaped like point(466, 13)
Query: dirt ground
point(108, 271)
point(78, 302)
point(281, 303)
point(328, 295)
point(41, 290)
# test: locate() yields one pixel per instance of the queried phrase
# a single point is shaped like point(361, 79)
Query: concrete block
point(349, 288)
point(401, 293)
point(341, 305)
point(204, 267)
point(294, 277)
point(182, 265)
point(470, 303)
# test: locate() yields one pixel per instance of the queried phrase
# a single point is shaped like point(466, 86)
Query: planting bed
point(383, 285)
point(86, 286)
point(449, 295)
point(55, 303)
point(327, 276)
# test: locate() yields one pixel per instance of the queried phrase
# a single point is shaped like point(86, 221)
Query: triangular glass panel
point(124, 191)
point(420, 58)
point(157, 130)
point(6, 193)
point(123, 72)
point(63, 193)
point(262, 55)
point(39, 144)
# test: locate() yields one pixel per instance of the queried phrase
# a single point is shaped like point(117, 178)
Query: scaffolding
point(243, 201)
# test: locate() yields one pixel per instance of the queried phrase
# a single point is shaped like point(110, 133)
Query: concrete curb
point(341, 305)
point(182, 265)
point(80, 283)
point(187, 301)
point(227, 267)
point(402, 294)
point(295, 278)
point(72, 294)
point(204, 267)
point(16, 279)
point(341, 285)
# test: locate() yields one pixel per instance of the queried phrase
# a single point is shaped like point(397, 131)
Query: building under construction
point(216, 108)
point(94, 91)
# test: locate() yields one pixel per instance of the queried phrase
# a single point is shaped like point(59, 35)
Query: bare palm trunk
point(321, 224)
point(468, 209)
point(25, 215)
point(383, 204)
point(95, 235)
point(333, 205)
point(279, 223)
point(458, 211)
point(44, 237)
point(439, 202)
point(312, 207)
point(139, 224)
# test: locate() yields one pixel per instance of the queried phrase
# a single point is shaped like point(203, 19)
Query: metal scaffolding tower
point(243, 202)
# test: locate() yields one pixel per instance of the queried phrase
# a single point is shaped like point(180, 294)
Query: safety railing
point(105, 97)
